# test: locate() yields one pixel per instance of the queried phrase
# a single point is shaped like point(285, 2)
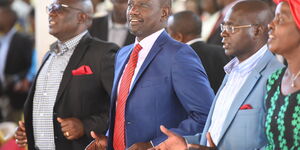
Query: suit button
point(55, 137)
point(128, 122)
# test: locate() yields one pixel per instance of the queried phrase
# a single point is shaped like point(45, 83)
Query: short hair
point(187, 23)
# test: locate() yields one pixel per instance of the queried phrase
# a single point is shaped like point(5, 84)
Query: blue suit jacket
point(171, 89)
point(244, 129)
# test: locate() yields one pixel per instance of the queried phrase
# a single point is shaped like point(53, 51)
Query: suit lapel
point(78, 53)
point(120, 65)
point(157, 46)
point(245, 90)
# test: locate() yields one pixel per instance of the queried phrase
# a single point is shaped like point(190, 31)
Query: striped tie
point(119, 130)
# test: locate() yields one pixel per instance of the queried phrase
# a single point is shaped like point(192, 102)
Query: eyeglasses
point(231, 28)
point(58, 8)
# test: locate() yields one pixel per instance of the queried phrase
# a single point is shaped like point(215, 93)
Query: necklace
point(294, 78)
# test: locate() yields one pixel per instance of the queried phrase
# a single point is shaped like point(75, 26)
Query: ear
point(178, 36)
point(82, 17)
point(258, 30)
point(165, 13)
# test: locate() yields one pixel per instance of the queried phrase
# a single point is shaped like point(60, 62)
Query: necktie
point(119, 129)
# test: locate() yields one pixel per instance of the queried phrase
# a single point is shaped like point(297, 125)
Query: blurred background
point(24, 40)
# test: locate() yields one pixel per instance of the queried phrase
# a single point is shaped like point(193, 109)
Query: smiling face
point(64, 23)
point(284, 36)
point(146, 17)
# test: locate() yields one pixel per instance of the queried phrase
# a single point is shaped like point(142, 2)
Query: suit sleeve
point(193, 90)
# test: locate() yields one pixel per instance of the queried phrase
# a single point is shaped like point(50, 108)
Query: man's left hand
point(72, 128)
point(140, 146)
point(174, 141)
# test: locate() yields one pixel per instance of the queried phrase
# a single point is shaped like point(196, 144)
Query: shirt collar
point(69, 45)
point(149, 40)
point(247, 65)
point(194, 41)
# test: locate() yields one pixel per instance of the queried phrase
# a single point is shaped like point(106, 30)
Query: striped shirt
point(237, 75)
point(47, 85)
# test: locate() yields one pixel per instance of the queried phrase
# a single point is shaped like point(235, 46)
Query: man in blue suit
point(164, 83)
point(236, 119)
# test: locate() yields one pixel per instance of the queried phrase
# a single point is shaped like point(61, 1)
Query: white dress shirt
point(147, 43)
point(237, 73)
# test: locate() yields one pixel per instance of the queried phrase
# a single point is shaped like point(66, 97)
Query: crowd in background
point(195, 22)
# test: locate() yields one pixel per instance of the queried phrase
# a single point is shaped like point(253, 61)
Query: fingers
point(209, 139)
point(63, 122)
point(22, 125)
point(72, 128)
point(21, 143)
point(64, 128)
point(93, 134)
point(166, 131)
point(20, 135)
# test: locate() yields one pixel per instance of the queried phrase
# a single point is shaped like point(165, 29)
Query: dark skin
point(185, 27)
point(282, 28)
point(65, 25)
point(241, 14)
point(177, 142)
point(256, 35)
point(145, 17)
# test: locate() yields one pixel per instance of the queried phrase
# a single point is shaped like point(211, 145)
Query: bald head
point(247, 30)
point(87, 7)
point(255, 12)
point(186, 23)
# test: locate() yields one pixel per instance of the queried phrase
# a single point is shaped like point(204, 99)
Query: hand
point(20, 135)
point(72, 128)
point(174, 141)
point(140, 146)
point(100, 142)
point(211, 143)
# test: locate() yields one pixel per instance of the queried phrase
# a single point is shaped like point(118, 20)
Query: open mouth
point(225, 44)
point(135, 21)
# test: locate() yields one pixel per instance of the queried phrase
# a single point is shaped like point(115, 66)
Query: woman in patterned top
point(283, 89)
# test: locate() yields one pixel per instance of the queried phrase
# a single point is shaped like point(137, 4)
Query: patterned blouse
point(283, 115)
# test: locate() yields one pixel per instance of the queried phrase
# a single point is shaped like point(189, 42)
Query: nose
point(224, 33)
point(271, 25)
point(52, 13)
point(133, 10)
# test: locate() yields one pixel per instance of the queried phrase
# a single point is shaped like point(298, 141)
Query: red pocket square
point(82, 70)
point(246, 106)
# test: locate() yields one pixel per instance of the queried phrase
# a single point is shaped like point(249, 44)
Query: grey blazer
point(244, 129)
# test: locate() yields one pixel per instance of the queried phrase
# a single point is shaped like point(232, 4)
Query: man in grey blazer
point(236, 118)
